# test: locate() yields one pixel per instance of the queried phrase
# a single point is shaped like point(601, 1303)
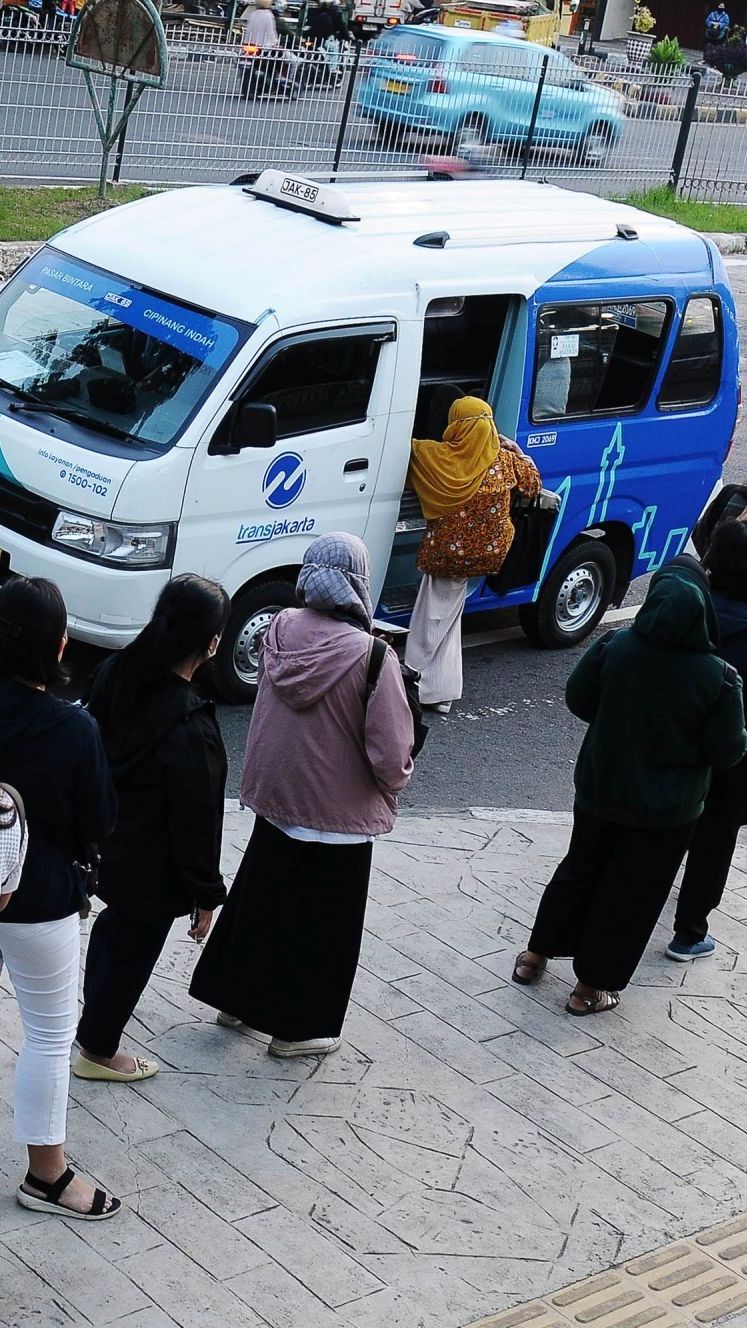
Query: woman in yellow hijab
point(464, 483)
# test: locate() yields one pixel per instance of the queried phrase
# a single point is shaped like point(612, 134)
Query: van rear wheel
point(237, 661)
point(574, 597)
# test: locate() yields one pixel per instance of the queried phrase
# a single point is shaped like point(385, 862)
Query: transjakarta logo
point(284, 480)
point(275, 530)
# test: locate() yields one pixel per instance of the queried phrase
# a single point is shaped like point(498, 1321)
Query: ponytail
point(190, 612)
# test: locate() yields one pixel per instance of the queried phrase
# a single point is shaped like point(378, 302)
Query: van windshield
point(109, 354)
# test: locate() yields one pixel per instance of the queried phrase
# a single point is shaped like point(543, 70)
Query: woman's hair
point(727, 560)
point(189, 613)
point(33, 622)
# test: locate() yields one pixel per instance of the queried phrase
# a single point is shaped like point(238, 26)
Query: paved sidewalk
point(470, 1148)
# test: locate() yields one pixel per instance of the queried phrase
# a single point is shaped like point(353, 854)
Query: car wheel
point(574, 597)
point(237, 661)
point(471, 135)
point(595, 145)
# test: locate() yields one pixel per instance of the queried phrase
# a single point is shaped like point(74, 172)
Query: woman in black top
point(51, 752)
point(163, 860)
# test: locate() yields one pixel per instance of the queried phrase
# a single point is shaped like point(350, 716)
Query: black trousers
point(123, 949)
point(606, 897)
point(711, 851)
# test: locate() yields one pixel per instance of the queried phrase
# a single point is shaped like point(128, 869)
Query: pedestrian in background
point(464, 483)
point(718, 24)
point(51, 752)
point(324, 764)
point(725, 812)
point(163, 860)
point(260, 28)
point(662, 710)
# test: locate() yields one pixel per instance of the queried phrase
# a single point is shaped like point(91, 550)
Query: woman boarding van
point(213, 408)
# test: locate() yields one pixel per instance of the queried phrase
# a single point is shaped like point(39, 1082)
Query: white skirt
point(434, 646)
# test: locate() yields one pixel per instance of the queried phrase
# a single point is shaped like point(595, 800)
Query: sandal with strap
point(536, 970)
point(53, 1190)
point(596, 1004)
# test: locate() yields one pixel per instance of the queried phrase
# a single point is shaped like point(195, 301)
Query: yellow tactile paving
point(688, 1284)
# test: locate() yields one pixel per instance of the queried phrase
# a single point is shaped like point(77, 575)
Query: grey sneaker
point(313, 1047)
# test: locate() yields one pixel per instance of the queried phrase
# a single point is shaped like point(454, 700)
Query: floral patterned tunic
point(474, 541)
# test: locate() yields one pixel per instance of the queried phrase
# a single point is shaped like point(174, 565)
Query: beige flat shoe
point(85, 1069)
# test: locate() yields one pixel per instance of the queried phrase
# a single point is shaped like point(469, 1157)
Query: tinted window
point(694, 372)
point(320, 383)
point(594, 358)
point(408, 46)
point(563, 73)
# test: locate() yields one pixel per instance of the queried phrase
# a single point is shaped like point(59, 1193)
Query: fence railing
point(229, 110)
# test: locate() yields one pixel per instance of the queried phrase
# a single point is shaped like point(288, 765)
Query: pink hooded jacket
point(316, 754)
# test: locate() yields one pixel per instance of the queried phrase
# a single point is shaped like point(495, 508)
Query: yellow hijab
point(446, 474)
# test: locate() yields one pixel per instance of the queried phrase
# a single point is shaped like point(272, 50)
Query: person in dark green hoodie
point(663, 711)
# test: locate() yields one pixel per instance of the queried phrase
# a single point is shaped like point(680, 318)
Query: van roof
point(218, 247)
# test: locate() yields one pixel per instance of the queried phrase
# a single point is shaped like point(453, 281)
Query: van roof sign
point(326, 202)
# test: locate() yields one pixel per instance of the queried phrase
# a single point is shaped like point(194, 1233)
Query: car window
point(495, 58)
point(319, 382)
point(597, 358)
point(694, 372)
point(562, 73)
point(407, 47)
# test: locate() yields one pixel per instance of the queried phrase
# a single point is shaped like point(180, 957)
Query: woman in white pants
point(464, 482)
point(51, 752)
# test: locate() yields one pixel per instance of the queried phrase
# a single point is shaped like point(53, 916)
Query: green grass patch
point(700, 216)
point(35, 214)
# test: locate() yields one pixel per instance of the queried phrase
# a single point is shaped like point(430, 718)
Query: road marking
point(512, 633)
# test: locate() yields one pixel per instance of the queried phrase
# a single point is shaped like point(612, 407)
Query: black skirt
point(283, 953)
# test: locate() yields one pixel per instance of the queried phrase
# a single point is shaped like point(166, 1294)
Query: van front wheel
point(574, 597)
point(237, 661)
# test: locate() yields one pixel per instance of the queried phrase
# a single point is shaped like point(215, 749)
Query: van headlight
point(116, 543)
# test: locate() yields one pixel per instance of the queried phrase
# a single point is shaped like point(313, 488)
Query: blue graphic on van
point(674, 543)
point(284, 480)
point(611, 459)
point(204, 338)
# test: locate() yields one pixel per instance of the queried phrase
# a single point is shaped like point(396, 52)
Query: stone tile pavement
point(470, 1148)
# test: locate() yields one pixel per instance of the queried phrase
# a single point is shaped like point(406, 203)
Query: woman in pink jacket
point(323, 766)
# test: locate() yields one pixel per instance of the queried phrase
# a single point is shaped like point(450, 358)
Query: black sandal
point(53, 1190)
point(535, 969)
point(600, 1002)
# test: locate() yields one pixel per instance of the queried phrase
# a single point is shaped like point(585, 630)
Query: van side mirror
point(249, 424)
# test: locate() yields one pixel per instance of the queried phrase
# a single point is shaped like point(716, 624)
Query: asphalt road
point(199, 129)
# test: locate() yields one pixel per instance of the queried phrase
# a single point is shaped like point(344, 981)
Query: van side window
point(318, 383)
point(694, 372)
point(597, 358)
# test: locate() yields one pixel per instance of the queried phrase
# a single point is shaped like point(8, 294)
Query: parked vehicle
point(159, 415)
point(464, 88)
point(530, 18)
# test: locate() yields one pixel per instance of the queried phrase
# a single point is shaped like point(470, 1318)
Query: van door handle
point(352, 467)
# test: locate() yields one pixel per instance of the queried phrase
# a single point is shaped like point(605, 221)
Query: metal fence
point(226, 111)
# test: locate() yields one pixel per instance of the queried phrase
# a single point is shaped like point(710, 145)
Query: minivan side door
point(257, 509)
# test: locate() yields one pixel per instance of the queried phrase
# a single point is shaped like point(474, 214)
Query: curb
point(515, 815)
point(728, 243)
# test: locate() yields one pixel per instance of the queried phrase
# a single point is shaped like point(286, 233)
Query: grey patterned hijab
point(335, 578)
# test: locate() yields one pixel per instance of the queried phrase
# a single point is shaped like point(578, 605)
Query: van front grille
point(25, 513)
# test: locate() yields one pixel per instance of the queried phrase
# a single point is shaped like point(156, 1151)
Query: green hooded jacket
point(661, 714)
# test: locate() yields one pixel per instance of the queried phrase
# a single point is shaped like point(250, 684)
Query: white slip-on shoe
point(313, 1047)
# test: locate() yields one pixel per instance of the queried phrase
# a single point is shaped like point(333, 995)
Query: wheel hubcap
point(249, 642)
point(469, 138)
point(579, 597)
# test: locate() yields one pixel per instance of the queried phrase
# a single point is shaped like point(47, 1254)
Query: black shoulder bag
point(411, 681)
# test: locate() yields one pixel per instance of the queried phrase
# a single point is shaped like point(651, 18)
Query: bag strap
point(376, 657)
point(17, 800)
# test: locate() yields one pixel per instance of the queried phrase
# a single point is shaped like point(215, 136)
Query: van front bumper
point(107, 606)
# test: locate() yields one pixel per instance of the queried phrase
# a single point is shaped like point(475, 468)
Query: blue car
point(468, 89)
